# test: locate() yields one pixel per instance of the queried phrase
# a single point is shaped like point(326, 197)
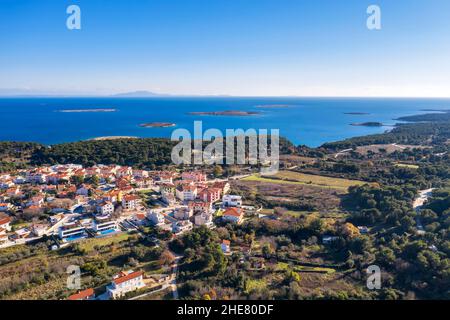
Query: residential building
point(203, 219)
point(168, 199)
point(130, 202)
point(156, 218)
point(186, 192)
point(200, 206)
point(224, 186)
point(233, 215)
point(71, 230)
point(5, 207)
point(104, 224)
point(183, 213)
point(125, 282)
point(211, 195)
point(87, 294)
point(225, 246)
point(182, 226)
point(232, 201)
point(196, 176)
point(105, 208)
point(5, 222)
point(39, 229)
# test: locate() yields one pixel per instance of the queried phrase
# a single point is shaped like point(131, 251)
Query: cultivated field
point(291, 177)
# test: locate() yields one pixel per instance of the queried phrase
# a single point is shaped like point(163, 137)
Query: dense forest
point(144, 153)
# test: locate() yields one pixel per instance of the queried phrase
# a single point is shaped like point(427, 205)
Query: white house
point(70, 230)
point(182, 226)
point(39, 229)
point(203, 219)
point(103, 224)
point(130, 202)
point(233, 215)
point(232, 201)
point(105, 208)
point(5, 222)
point(125, 282)
point(155, 218)
point(186, 192)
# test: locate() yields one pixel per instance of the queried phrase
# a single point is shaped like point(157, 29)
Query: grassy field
point(408, 166)
point(90, 244)
point(255, 284)
point(282, 266)
point(290, 177)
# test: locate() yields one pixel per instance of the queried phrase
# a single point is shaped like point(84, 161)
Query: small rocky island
point(368, 124)
point(225, 113)
point(157, 125)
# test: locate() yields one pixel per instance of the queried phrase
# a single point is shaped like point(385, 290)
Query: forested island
point(368, 124)
point(225, 113)
point(86, 110)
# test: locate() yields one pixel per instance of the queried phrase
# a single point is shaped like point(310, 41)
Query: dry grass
point(291, 177)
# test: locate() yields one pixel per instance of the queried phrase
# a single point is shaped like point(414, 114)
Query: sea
point(304, 121)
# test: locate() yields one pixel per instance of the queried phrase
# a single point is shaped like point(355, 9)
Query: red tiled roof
point(128, 277)
point(236, 212)
point(82, 294)
point(131, 198)
point(5, 220)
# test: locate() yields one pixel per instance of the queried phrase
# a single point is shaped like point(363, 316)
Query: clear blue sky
point(236, 47)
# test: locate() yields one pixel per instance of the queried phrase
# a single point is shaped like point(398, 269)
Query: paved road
point(418, 204)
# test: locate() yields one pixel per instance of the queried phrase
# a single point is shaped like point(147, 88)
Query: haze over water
point(309, 121)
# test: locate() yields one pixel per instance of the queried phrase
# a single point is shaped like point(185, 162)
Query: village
point(71, 203)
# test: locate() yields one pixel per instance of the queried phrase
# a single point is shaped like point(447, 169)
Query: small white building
point(5, 222)
point(125, 282)
point(203, 219)
point(182, 226)
point(229, 200)
point(155, 218)
point(105, 208)
point(234, 215)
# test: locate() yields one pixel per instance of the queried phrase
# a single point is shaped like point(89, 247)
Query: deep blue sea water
point(309, 121)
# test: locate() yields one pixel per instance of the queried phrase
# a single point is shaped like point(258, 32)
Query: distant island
point(225, 113)
point(357, 113)
point(368, 124)
point(86, 110)
point(157, 125)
